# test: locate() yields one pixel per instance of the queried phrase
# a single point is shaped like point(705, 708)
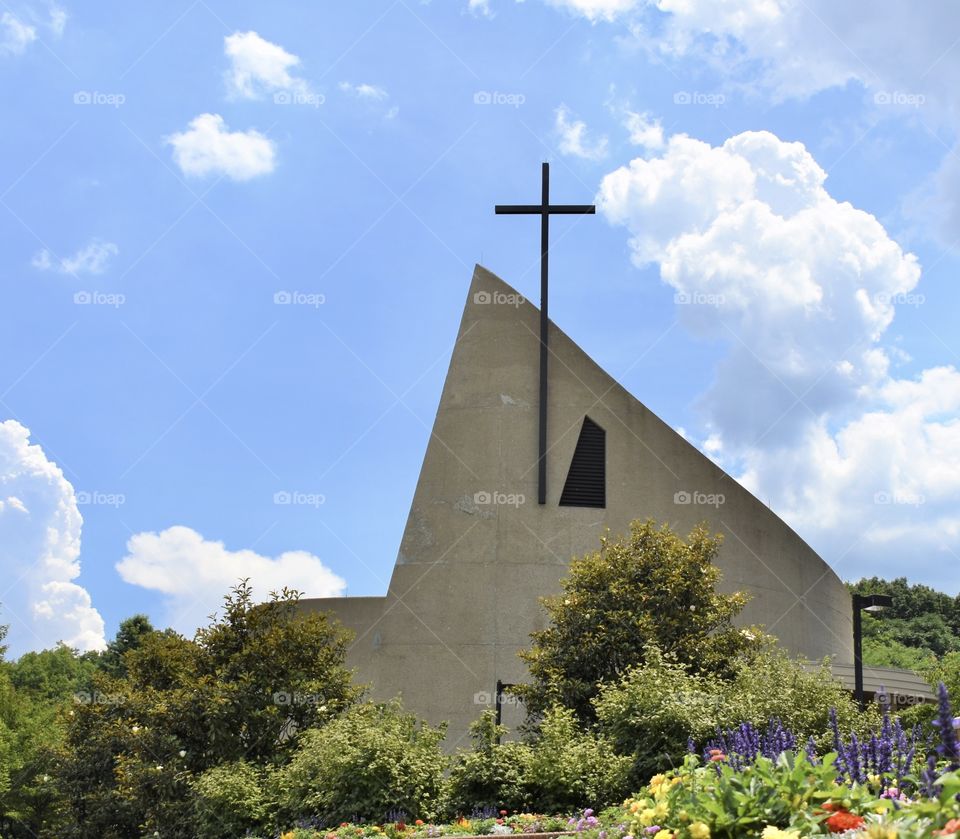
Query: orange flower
point(952, 826)
point(714, 758)
point(418, 822)
point(842, 820)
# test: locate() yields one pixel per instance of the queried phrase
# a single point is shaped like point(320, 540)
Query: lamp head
point(873, 602)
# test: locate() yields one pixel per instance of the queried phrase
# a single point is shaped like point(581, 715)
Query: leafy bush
point(491, 775)
point(657, 707)
point(243, 689)
point(570, 768)
point(367, 762)
point(650, 587)
point(230, 801)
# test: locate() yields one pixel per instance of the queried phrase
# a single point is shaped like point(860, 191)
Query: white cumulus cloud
point(93, 258)
point(799, 289)
point(573, 137)
point(40, 528)
point(193, 573)
point(258, 67)
point(208, 147)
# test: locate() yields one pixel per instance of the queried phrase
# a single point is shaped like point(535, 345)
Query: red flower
point(842, 821)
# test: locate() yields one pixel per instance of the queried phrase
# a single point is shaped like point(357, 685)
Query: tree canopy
point(649, 588)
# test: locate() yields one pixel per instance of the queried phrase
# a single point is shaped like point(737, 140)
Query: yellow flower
point(657, 781)
point(771, 832)
point(698, 830)
point(647, 817)
point(662, 810)
point(634, 806)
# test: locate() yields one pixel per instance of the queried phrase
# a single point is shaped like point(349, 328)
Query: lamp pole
point(863, 603)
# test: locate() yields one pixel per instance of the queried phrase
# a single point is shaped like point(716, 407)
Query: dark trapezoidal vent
point(586, 484)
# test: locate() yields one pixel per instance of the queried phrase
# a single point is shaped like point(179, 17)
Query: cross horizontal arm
point(537, 209)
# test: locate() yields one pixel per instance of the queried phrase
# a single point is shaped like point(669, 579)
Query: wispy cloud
point(93, 258)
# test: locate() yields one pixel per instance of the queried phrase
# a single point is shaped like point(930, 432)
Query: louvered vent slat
point(586, 484)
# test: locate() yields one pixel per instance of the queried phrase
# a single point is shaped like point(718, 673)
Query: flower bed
point(747, 783)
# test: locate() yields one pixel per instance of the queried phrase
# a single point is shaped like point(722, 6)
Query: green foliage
point(921, 620)
point(230, 801)
point(492, 773)
point(130, 636)
point(51, 676)
point(649, 588)
point(653, 710)
point(372, 759)
point(571, 769)
point(32, 691)
point(244, 689)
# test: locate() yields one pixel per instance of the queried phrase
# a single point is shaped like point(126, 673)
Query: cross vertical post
point(544, 331)
point(544, 209)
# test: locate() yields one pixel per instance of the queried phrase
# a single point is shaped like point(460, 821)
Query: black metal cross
point(544, 209)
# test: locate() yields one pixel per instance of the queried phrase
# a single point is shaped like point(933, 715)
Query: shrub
point(570, 768)
point(654, 710)
point(492, 774)
point(650, 587)
point(367, 762)
point(230, 801)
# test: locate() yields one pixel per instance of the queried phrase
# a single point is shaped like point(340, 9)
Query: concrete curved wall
point(463, 597)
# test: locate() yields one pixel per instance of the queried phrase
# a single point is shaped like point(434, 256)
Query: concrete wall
point(464, 593)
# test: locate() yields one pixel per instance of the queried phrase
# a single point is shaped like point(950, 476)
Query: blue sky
point(771, 271)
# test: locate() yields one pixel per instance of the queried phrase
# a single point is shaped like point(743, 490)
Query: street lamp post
point(863, 603)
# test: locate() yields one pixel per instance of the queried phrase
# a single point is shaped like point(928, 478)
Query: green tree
point(242, 691)
point(130, 636)
point(651, 587)
point(32, 692)
point(920, 619)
